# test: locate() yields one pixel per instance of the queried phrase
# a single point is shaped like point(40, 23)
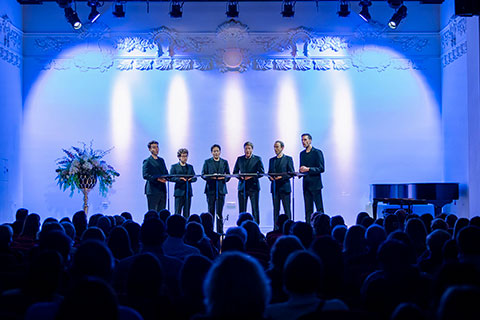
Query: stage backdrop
point(367, 95)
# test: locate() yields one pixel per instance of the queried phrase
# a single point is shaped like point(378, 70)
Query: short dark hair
point(248, 143)
point(215, 146)
point(280, 142)
point(152, 142)
point(308, 135)
point(181, 151)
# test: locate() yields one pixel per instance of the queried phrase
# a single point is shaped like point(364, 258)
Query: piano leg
point(374, 209)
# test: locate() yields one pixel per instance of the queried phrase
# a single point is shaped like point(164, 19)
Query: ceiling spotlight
point(176, 9)
point(94, 14)
point(288, 8)
point(364, 14)
point(232, 9)
point(397, 17)
point(344, 10)
point(119, 9)
point(72, 18)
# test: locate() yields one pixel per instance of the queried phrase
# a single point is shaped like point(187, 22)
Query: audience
point(404, 266)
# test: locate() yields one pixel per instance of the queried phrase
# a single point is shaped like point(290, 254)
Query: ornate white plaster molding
point(454, 40)
point(10, 42)
point(233, 47)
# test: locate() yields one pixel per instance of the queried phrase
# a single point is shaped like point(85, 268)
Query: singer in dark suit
point(280, 188)
point(153, 168)
point(312, 164)
point(183, 183)
point(249, 186)
point(215, 187)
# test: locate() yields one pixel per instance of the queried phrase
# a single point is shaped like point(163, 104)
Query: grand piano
point(408, 194)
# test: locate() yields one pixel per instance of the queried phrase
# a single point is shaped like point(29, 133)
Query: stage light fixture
point(94, 14)
point(344, 9)
point(72, 18)
point(232, 9)
point(176, 9)
point(397, 17)
point(288, 8)
point(119, 9)
point(364, 14)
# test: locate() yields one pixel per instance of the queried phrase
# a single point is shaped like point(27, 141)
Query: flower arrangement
point(84, 163)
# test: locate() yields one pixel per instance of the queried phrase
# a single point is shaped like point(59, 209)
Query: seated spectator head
point(427, 219)
point(49, 220)
point(280, 221)
point(176, 226)
point(415, 229)
point(321, 225)
point(459, 225)
point(119, 220)
point(233, 242)
point(152, 233)
point(193, 233)
point(151, 214)
point(236, 287)
point(79, 220)
point(338, 233)
point(243, 217)
point(239, 232)
point(21, 214)
point(436, 241)
point(451, 219)
point(31, 226)
point(105, 224)
point(379, 222)
point(393, 256)
point(475, 221)
point(439, 224)
point(282, 248)
point(337, 221)
point(92, 222)
point(450, 251)
point(360, 217)
point(57, 241)
point(408, 311)
point(50, 226)
point(303, 273)
point(127, 215)
point(375, 235)
point(314, 215)
point(6, 236)
point(69, 230)
point(330, 253)
point(194, 218)
point(164, 214)
point(287, 227)
point(119, 243)
point(93, 233)
point(133, 230)
point(468, 240)
point(91, 298)
point(20, 217)
point(391, 223)
point(402, 216)
point(304, 232)
point(459, 302)
point(193, 274)
point(254, 236)
point(92, 258)
point(65, 219)
point(405, 239)
point(145, 278)
point(207, 221)
point(367, 222)
point(355, 243)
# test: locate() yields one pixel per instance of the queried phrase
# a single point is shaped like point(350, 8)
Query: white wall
point(10, 109)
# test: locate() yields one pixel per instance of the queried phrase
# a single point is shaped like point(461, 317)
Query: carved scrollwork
point(183, 64)
point(129, 44)
point(303, 64)
point(163, 64)
point(322, 64)
point(283, 64)
point(263, 64)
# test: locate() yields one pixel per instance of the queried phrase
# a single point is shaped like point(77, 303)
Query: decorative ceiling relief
point(454, 40)
point(233, 47)
point(10, 42)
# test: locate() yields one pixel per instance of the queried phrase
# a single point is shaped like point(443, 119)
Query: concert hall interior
point(385, 106)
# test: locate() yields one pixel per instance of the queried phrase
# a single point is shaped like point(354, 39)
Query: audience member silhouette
point(133, 230)
point(256, 246)
point(304, 232)
point(459, 303)
point(321, 225)
point(119, 243)
point(174, 246)
point(336, 221)
point(232, 243)
point(127, 216)
point(338, 233)
point(236, 287)
point(20, 217)
point(243, 217)
point(93, 233)
point(195, 237)
point(277, 232)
